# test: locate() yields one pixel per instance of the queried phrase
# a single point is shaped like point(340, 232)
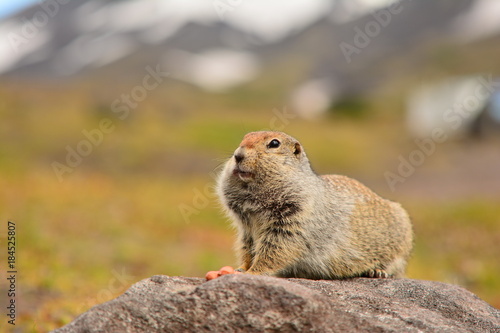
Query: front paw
point(223, 271)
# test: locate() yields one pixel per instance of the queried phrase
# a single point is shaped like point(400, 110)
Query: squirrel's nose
point(239, 157)
point(239, 154)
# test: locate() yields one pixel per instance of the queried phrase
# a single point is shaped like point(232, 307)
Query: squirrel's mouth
point(243, 175)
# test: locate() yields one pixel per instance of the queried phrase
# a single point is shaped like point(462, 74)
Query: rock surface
point(246, 303)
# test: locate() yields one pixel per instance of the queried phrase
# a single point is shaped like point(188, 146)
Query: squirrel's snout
point(242, 170)
point(239, 157)
point(239, 154)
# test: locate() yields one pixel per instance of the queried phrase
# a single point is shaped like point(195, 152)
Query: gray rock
point(247, 303)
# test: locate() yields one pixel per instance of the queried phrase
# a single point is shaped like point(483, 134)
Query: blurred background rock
point(117, 114)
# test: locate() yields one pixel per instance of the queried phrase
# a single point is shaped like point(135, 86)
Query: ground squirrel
point(292, 222)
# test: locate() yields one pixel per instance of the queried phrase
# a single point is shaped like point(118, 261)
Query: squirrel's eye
point(274, 143)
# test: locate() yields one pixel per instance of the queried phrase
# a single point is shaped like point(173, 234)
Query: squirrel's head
point(262, 155)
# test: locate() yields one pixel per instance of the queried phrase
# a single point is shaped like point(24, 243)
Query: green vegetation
point(142, 203)
point(350, 107)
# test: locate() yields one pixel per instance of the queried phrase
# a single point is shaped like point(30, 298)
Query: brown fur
point(294, 223)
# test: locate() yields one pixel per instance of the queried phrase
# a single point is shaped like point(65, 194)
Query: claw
point(378, 273)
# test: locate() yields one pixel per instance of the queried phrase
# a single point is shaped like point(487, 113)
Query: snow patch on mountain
point(482, 21)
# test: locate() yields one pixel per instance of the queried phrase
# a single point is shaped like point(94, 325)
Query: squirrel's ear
point(298, 149)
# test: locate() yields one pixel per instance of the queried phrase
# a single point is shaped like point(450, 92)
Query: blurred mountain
point(118, 39)
point(96, 36)
point(364, 48)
